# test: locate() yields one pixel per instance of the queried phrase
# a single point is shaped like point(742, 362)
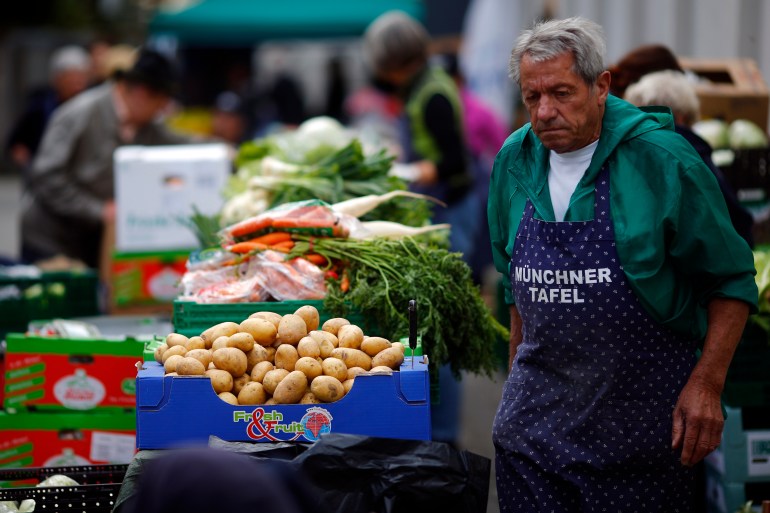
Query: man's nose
point(545, 108)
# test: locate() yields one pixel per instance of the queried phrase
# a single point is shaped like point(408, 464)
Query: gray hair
point(395, 41)
point(667, 88)
point(70, 57)
point(582, 38)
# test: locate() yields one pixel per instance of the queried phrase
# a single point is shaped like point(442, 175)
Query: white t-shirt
point(564, 173)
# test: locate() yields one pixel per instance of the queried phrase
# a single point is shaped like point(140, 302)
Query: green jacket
point(674, 237)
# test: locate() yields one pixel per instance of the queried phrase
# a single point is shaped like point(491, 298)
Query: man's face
point(144, 104)
point(565, 112)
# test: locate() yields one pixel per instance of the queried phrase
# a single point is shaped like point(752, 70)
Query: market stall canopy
point(246, 22)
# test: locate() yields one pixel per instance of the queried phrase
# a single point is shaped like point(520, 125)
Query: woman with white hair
point(674, 90)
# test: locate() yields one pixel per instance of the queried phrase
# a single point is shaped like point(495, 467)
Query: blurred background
point(283, 62)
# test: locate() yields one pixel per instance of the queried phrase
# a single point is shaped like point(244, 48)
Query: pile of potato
point(280, 359)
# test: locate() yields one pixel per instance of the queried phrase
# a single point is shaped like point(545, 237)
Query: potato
point(189, 367)
point(239, 382)
point(229, 398)
point(172, 361)
point(158, 353)
point(327, 388)
point(391, 357)
point(195, 343)
point(270, 402)
point(202, 355)
point(272, 378)
point(309, 398)
point(270, 354)
point(291, 388)
point(242, 341)
point(352, 357)
point(291, 329)
point(399, 346)
point(230, 359)
point(310, 367)
point(333, 325)
point(309, 314)
point(336, 368)
point(171, 351)
point(211, 366)
point(381, 369)
point(347, 385)
point(223, 329)
point(221, 381)
point(273, 317)
point(219, 343)
point(350, 336)
point(171, 374)
point(373, 345)
point(326, 342)
point(262, 331)
point(252, 393)
point(259, 371)
point(256, 355)
point(175, 339)
point(355, 371)
point(307, 346)
point(286, 357)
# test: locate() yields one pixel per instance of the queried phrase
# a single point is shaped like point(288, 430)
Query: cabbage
point(714, 132)
point(744, 134)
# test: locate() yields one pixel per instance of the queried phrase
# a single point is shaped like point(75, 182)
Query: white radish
point(357, 207)
point(391, 230)
point(271, 166)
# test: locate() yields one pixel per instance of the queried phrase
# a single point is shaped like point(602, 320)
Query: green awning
point(247, 22)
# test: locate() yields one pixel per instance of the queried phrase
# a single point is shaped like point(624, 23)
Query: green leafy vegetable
point(455, 324)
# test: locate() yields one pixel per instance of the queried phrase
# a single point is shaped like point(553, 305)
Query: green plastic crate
point(192, 318)
point(61, 294)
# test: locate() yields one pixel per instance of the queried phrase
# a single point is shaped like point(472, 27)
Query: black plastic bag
point(355, 474)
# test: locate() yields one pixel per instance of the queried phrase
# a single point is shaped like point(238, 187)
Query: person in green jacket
point(622, 263)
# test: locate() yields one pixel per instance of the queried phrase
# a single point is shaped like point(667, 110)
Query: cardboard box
point(156, 188)
point(744, 454)
point(183, 410)
point(146, 278)
point(732, 89)
point(52, 373)
point(63, 439)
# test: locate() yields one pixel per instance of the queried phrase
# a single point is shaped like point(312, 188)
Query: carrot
point(315, 258)
point(272, 238)
point(283, 247)
point(250, 226)
point(345, 282)
point(246, 247)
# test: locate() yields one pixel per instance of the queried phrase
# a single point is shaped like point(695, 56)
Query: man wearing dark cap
point(70, 195)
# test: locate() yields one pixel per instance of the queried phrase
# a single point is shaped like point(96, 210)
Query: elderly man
point(622, 263)
point(70, 195)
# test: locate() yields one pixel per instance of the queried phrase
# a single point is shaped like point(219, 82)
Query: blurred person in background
point(229, 121)
point(70, 196)
point(639, 62)
point(485, 132)
point(435, 158)
point(69, 73)
point(674, 90)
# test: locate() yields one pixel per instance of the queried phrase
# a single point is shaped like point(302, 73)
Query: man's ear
point(603, 86)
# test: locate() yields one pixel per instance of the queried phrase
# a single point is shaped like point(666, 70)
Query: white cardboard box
point(156, 188)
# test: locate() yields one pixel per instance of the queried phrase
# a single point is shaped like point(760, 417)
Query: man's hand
point(698, 421)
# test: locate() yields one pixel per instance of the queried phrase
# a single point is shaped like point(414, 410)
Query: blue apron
point(585, 419)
